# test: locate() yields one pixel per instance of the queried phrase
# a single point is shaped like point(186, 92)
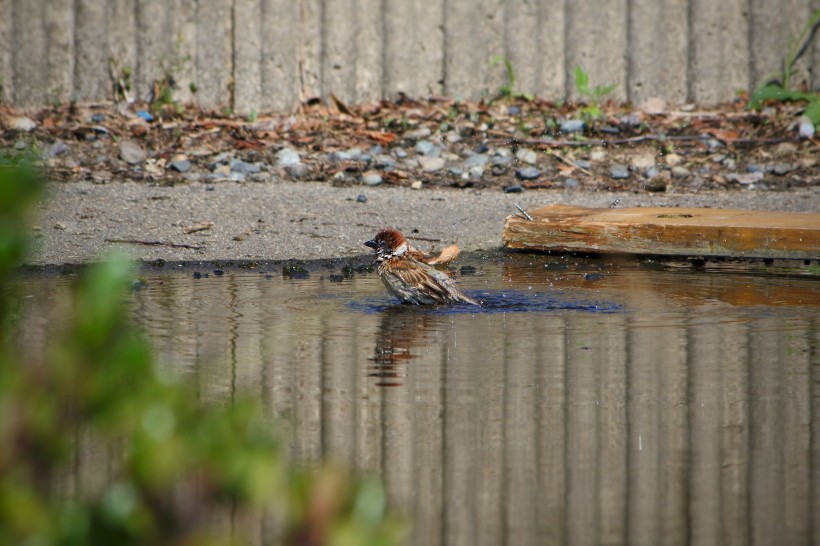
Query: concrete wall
point(261, 55)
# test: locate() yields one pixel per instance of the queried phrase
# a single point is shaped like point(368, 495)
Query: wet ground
point(589, 401)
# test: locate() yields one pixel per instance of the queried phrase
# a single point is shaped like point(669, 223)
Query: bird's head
point(388, 243)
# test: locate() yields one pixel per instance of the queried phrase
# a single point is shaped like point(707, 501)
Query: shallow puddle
point(586, 402)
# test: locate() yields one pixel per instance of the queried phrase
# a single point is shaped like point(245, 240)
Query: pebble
point(261, 177)
point(455, 171)
point(20, 145)
point(527, 156)
point(745, 178)
point(242, 167)
point(298, 171)
point(371, 178)
point(572, 125)
point(427, 148)
point(222, 171)
point(730, 164)
point(131, 152)
point(672, 159)
point(618, 172)
point(652, 172)
point(351, 154)
point(782, 168)
point(59, 225)
point(633, 119)
point(754, 168)
point(238, 177)
point(478, 160)
point(416, 185)
point(452, 137)
point(498, 170)
point(610, 130)
point(597, 155)
point(431, 164)
point(513, 188)
point(180, 165)
point(209, 187)
point(287, 157)
point(418, 134)
point(400, 153)
point(570, 183)
point(361, 198)
point(475, 172)
point(805, 127)
point(57, 149)
point(680, 172)
point(584, 164)
point(527, 173)
point(384, 160)
point(21, 123)
point(643, 161)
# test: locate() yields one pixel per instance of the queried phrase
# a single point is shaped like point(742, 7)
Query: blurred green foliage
point(593, 96)
point(173, 465)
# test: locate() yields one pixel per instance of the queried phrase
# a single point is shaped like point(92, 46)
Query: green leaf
point(582, 81)
point(812, 110)
point(773, 91)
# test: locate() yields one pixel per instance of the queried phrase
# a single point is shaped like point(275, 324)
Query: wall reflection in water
point(676, 417)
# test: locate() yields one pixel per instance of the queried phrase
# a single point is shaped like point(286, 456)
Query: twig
point(615, 203)
point(566, 161)
point(522, 211)
point(154, 243)
point(549, 143)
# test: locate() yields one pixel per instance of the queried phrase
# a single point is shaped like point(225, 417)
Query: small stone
point(513, 110)
point(642, 161)
point(672, 159)
point(371, 178)
point(805, 127)
point(452, 137)
point(400, 153)
point(583, 163)
point(242, 167)
point(502, 159)
point(680, 172)
point(384, 160)
point(361, 198)
point(633, 119)
point(754, 168)
point(418, 134)
point(21, 123)
point(101, 177)
point(431, 164)
point(652, 172)
point(455, 171)
point(261, 177)
point(209, 187)
point(238, 177)
point(180, 165)
point(427, 148)
point(298, 171)
point(57, 149)
point(20, 145)
point(572, 126)
point(527, 156)
point(781, 169)
point(598, 155)
point(287, 157)
point(416, 185)
point(610, 130)
point(59, 225)
point(131, 152)
point(745, 178)
point(475, 172)
point(527, 173)
point(618, 172)
point(570, 183)
point(785, 148)
point(730, 164)
point(513, 188)
point(498, 170)
point(222, 171)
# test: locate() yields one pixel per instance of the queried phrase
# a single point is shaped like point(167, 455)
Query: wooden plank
point(667, 231)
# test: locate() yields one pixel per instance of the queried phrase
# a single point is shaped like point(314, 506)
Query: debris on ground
point(510, 145)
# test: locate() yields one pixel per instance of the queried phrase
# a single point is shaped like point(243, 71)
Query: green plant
point(779, 85)
point(509, 90)
point(97, 389)
point(593, 96)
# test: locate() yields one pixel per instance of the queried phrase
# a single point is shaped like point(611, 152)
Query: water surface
point(588, 402)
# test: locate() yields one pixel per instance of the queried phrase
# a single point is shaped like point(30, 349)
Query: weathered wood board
point(667, 231)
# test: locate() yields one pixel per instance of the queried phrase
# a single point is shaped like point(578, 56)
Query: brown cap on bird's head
point(387, 241)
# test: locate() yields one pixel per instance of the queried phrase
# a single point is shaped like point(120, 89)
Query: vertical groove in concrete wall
point(261, 55)
point(6, 48)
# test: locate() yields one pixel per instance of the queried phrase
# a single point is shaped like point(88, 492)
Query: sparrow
point(410, 279)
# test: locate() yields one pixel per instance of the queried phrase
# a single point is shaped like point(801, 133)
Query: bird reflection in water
point(403, 329)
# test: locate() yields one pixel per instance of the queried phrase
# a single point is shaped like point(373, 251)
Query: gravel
point(310, 220)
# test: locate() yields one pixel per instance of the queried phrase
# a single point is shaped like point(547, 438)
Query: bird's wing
point(431, 281)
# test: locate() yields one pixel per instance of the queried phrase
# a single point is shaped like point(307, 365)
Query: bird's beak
point(371, 244)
